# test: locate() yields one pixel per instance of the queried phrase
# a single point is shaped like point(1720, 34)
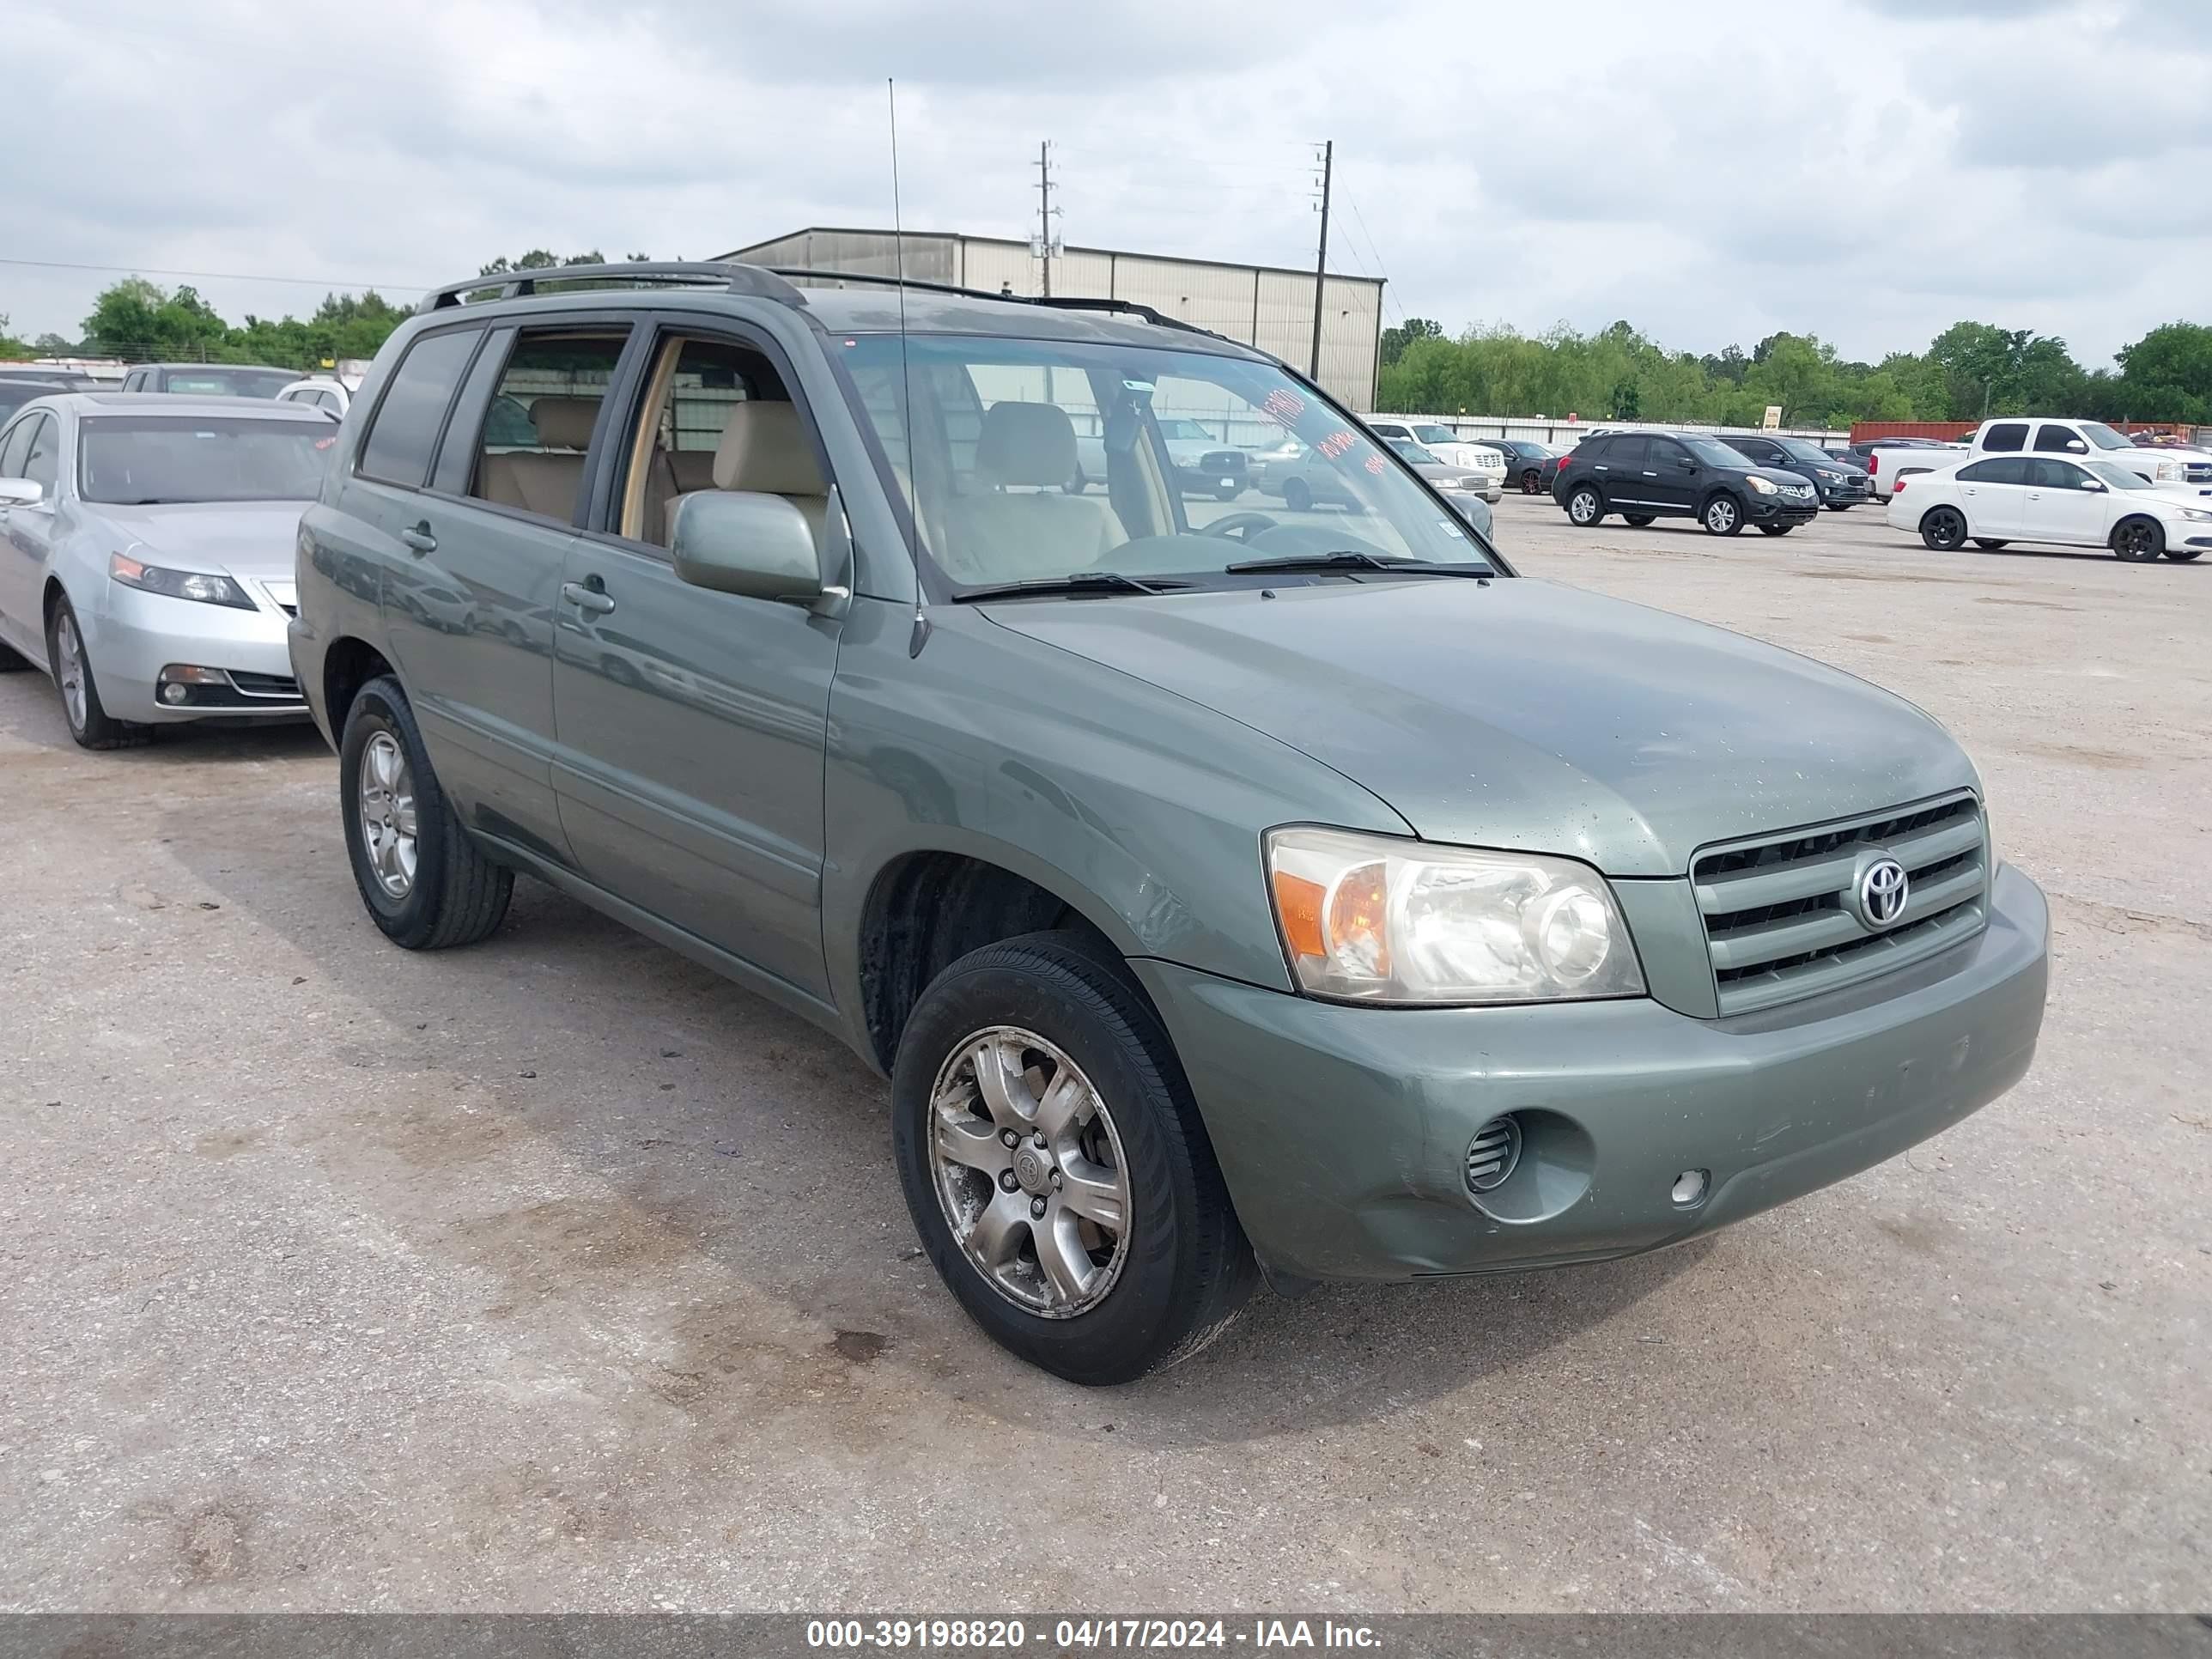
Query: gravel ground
point(558, 1273)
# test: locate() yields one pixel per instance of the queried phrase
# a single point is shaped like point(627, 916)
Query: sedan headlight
point(1763, 486)
point(1373, 919)
point(208, 588)
point(2196, 513)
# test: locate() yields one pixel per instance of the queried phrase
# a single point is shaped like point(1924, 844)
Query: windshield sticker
point(1375, 464)
point(1282, 407)
point(1336, 443)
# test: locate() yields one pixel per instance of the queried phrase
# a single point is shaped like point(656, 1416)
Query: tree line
point(1969, 372)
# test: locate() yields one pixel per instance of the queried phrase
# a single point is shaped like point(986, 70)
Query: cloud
point(1870, 172)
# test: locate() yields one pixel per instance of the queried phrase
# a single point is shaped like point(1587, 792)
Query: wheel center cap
point(1033, 1169)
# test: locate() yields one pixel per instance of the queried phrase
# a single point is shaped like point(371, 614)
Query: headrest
point(564, 422)
point(1026, 444)
point(764, 448)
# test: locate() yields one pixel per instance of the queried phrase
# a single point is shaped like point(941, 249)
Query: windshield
point(1414, 452)
point(2119, 476)
point(1039, 460)
point(218, 382)
point(1798, 449)
point(138, 460)
point(2104, 437)
point(1713, 452)
point(1433, 434)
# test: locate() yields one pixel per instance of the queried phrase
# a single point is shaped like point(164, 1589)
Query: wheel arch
point(349, 664)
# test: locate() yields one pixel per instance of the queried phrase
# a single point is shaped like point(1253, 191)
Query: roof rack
point(1054, 302)
point(754, 280)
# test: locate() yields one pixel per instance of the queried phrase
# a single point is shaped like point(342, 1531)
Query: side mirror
point(1472, 507)
point(741, 541)
point(2093, 484)
point(21, 492)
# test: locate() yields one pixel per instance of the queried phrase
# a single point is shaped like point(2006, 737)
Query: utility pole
point(1321, 260)
point(1044, 213)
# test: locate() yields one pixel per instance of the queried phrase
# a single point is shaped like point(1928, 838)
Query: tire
point(1639, 520)
point(1296, 496)
point(87, 719)
point(1776, 529)
point(1943, 529)
point(1585, 506)
point(2139, 541)
point(452, 893)
point(1723, 515)
point(1840, 507)
point(2183, 555)
point(1532, 483)
point(1226, 492)
point(1989, 543)
point(1078, 484)
point(1173, 1279)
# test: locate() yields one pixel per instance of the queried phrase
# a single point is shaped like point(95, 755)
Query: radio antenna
point(906, 375)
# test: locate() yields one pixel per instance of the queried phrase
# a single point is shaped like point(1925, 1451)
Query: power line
point(218, 275)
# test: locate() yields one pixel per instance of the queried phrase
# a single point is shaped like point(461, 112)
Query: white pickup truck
point(2048, 435)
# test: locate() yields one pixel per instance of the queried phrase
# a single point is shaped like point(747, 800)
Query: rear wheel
point(1943, 528)
point(89, 723)
point(1585, 506)
point(1055, 1168)
point(1532, 483)
point(1840, 507)
point(1639, 520)
point(1776, 529)
point(428, 886)
point(1990, 542)
point(1723, 516)
point(2138, 540)
point(1296, 495)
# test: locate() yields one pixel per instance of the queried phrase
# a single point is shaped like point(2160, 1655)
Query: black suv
point(1841, 484)
point(1644, 476)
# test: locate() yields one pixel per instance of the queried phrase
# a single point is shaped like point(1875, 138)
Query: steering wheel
point(1240, 526)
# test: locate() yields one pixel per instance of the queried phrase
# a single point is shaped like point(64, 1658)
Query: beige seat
point(545, 481)
point(764, 448)
point(998, 536)
point(670, 474)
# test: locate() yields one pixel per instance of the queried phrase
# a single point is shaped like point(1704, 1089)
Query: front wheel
point(1776, 529)
point(426, 883)
point(2139, 540)
point(1639, 520)
point(1722, 517)
point(1296, 495)
point(1532, 483)
point(89, 722)
point(1586, 507)
point(1990, 543)
point(1840, 507)
point(1227, 492)
point(1078, 484)
point(1055, 1167)
point(1943, 529)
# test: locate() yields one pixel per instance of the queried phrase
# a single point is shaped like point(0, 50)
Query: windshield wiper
point(1083, 582)
point(1348, 560)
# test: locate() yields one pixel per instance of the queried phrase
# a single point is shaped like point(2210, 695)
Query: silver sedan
point(146, 555)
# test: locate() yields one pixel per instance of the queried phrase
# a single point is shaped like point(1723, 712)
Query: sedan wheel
point(89, 723)
point(1296, 495)
point(1532, 483)
point(1943, 529)
point(2138, 540)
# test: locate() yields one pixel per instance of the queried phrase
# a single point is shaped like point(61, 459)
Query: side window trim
point(465, 415)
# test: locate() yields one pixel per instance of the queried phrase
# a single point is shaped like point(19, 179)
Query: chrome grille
point(1778, 919)
point(278, 687)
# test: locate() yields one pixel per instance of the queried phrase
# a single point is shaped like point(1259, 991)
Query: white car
point(2040, 498)
point(1447, 446)
point(320, 391)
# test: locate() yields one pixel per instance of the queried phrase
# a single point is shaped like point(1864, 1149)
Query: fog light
point(174, 693)
point(1690, 1187)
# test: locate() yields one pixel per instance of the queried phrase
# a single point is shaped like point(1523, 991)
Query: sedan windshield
point(138, 461)
point(211, 380)
point(1042, 460)
point(2117, 477)
point(2104, 437)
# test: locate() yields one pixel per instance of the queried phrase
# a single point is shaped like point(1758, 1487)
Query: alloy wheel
point(1720, 517)
point(1029, 1172)
point(387, 814)
point(68, 650)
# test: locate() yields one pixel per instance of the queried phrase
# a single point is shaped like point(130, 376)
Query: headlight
point(1763, 486)
point(2167, 472)
point(1832, 477)
point(1371, 919)
point(180, 584)
point(2196, 513)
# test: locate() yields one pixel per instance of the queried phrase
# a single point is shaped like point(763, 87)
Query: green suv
point(1225, 893)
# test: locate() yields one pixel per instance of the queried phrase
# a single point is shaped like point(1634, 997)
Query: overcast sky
point(1868, 170)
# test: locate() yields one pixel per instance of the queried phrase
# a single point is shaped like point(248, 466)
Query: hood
point(245, 539)
point(1524, 715)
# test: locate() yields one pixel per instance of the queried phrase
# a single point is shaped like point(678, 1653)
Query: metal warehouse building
point(1267, 305)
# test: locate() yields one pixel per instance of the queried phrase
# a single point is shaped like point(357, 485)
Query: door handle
point(588, 595)
point(419, 538)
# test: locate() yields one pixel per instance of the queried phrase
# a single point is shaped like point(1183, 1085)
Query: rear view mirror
point(741, 541)
point(21, 492)
point(2092, 483)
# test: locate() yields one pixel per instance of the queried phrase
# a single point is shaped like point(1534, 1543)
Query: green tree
point(1396, 338)
point(2168, 374)
point(9, 345)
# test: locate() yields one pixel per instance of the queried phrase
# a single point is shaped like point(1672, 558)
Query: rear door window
point(1624, 453)
point(2056, 475)
point(531, 452)
point(2009, 435)
point(403, 434)
point(1989, 472)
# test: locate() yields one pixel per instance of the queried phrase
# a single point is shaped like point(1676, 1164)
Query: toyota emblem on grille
point(1882, 889)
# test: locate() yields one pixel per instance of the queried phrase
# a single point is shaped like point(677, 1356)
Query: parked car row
point(1141, 855)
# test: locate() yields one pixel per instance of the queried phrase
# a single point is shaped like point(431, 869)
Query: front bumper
point(1344, 1132)
point(132, 636)
point(1780, 510)
point(1849, 493)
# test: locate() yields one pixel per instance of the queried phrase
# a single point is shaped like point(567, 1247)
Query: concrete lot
point(558, 1274)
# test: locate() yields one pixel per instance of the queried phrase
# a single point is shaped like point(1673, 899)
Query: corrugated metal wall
point(1269, 308)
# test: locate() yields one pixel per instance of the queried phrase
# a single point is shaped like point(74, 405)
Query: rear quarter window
point(403, 435)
